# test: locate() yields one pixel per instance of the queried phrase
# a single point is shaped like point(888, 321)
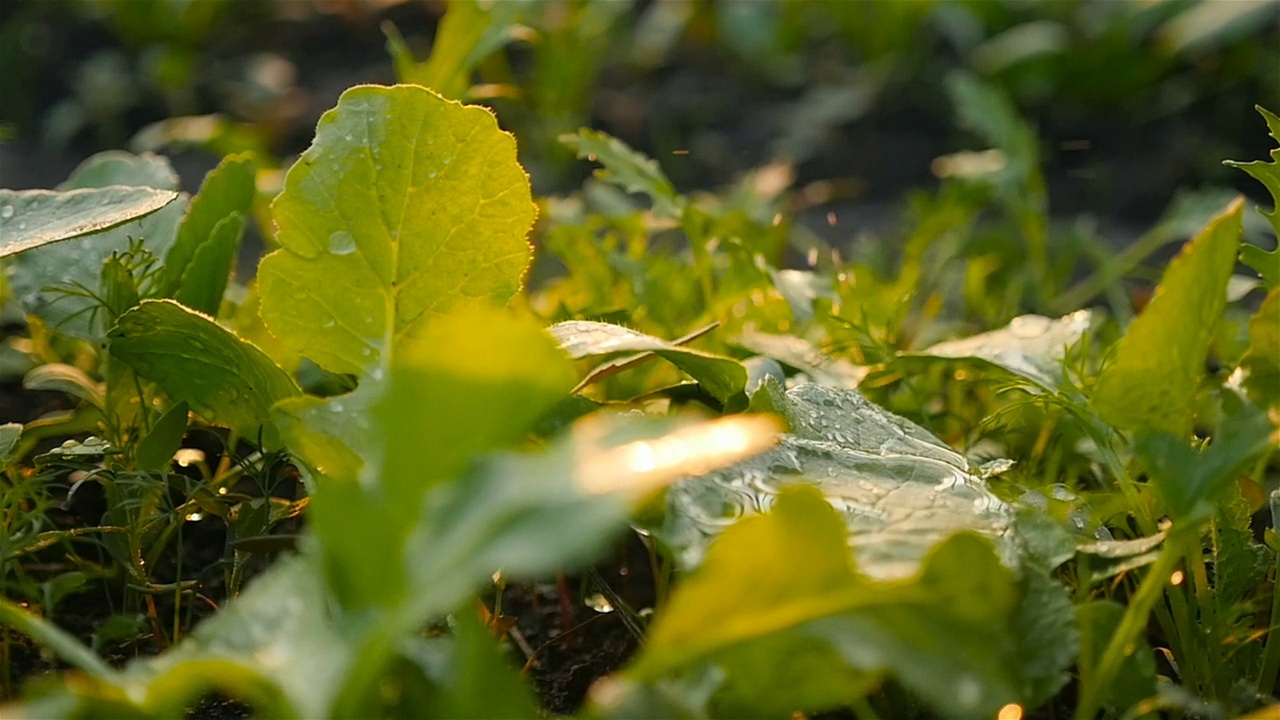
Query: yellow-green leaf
point(1152, 378)
point(1262, 360)
point(405, 207)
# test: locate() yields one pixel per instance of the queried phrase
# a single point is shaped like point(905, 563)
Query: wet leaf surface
point(898, 489)
point(1030, 346)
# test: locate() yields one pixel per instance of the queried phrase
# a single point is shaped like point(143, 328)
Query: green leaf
point(228, 190)
point(64, 644)
point(1136, 681)
point(10, 433)
point(1239, 563)
point(31, 218)
point(156, 449)
point(475, 679)
point(534, 514)
point(1267, 263)
point(471, 383)
point(1262, 360)
point(723, 377)
point(943, 632)
point(1152, 378)
point(627, 169)
point(1191, 483)
point(205, 282)
point(279, 633)
point(469, 32)
point(899, 490)
point(804, 356)
point(1031, 346)
point(116, 167)
point(78, 262)
point(194, 359)
point(1267, 173)
point(1045, 631)
point(63, 378)
point(405, 207)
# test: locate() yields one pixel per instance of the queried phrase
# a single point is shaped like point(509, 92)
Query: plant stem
point(1094, 688)
point(62, 643)
point(1271, 650)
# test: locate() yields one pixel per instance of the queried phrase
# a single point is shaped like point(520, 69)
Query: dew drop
point(342, 243)
point(330, 323)
point(6, 212)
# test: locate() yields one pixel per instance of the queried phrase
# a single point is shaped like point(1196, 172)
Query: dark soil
point(566, 643)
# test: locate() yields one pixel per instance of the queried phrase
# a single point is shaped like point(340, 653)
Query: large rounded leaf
point(900, 490)
point(406, 206)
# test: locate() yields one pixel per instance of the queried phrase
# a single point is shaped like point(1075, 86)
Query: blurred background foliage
point(1128, 100)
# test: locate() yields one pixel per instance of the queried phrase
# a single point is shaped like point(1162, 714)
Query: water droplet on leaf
point(342, 243)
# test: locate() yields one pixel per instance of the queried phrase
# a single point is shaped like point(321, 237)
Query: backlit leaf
point(1030, 346)
point(202, 257)
point(1268, 173)
point(627, 169)
point(804, 356)
point(469, 32)
point(531, 514)
point(1151, 381)
point(723, 377)
point(405, 207)
point(943, 631)
point(9, 435)
point(471, 383)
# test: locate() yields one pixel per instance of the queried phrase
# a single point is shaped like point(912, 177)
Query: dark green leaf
point(156, 449)
point(192, 358)
point(205, 281)
point(1136, 680)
